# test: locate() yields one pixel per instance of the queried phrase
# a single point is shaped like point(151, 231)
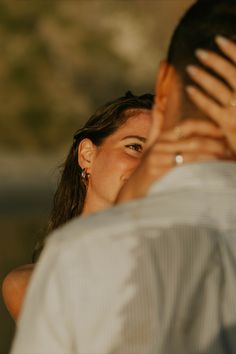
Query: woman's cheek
point(128, 165)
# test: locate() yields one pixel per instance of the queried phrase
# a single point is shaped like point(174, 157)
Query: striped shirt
point(152, 276)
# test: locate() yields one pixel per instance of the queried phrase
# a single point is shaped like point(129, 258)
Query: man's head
point(196, 30)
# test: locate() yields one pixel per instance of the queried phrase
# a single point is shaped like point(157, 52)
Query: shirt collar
point(210, 175)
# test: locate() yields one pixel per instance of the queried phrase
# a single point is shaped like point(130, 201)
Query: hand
point(220, 103)
point(196, 140)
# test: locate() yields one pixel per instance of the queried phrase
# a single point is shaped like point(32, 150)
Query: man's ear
point(86, 154)
point(163, 84)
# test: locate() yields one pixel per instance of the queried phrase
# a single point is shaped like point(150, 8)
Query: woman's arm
point(196, 140)
point(14, 288)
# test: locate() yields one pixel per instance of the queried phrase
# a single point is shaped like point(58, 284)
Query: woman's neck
point(94, 204)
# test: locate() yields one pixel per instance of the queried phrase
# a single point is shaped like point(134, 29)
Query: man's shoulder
point(99, 240)
point(116, 220)
point(162, 209)
point(96, 235)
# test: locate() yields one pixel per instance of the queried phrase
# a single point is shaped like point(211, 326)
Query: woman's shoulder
point(14, 287)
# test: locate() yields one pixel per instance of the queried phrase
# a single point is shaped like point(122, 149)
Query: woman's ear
point(86, 153)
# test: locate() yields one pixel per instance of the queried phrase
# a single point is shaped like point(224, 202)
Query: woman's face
point(115, 160)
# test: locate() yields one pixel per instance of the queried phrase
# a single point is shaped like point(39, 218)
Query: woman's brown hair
point(70, 195)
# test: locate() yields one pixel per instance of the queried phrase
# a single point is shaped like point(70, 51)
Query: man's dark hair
point(197, 29)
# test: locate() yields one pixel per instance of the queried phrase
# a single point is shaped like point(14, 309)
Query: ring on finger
point(178, 159)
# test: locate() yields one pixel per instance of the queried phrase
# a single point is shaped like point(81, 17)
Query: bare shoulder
point(14, 287)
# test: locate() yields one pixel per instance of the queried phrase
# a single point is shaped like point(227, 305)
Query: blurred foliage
point(62, 59)
point(59, 62)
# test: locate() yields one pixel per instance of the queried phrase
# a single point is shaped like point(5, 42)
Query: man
point(156, 275)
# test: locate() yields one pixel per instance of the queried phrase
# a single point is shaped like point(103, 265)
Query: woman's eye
point(135, 147)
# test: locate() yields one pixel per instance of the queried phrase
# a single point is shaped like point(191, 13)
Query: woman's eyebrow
point(138, 137)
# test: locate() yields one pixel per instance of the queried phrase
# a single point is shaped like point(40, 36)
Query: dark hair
point(197, 29)
point(70, 195)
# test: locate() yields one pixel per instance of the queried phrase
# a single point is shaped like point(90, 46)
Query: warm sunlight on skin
point(14, 287)
point(115, 160)
point(113, 164)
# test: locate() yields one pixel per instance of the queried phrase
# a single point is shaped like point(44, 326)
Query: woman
point(105, 153)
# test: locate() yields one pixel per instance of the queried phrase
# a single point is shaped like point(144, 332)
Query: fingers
point(210, 84)
point(224, 112)
point(167, 160)
point(194, 145)
point(206, 104)
point(228, 47)
point(221, 66)
point(224, 117)
point(161, 156)
point(161, 162)
point(192, 127)
point(156, 165)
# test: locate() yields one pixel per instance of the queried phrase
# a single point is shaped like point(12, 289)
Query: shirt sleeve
point(43, 326)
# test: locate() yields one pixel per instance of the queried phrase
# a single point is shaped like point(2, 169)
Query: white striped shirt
point(156, 275)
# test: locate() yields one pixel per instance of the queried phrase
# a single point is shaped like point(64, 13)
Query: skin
point(218, 109)
point(14, 287)
point(193, 147)
point(111, 164)
point(116, 163)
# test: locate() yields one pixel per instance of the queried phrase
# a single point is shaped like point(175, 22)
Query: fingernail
point(222, 41)
point(201, 54)
point(192, 70)
point(190, 89)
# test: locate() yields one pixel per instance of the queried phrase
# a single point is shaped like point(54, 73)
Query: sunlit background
point(60, 60)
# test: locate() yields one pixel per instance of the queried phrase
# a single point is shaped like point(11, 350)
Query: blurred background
point(59, 61)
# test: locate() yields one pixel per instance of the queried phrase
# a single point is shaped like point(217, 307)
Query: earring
point(85, 175)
